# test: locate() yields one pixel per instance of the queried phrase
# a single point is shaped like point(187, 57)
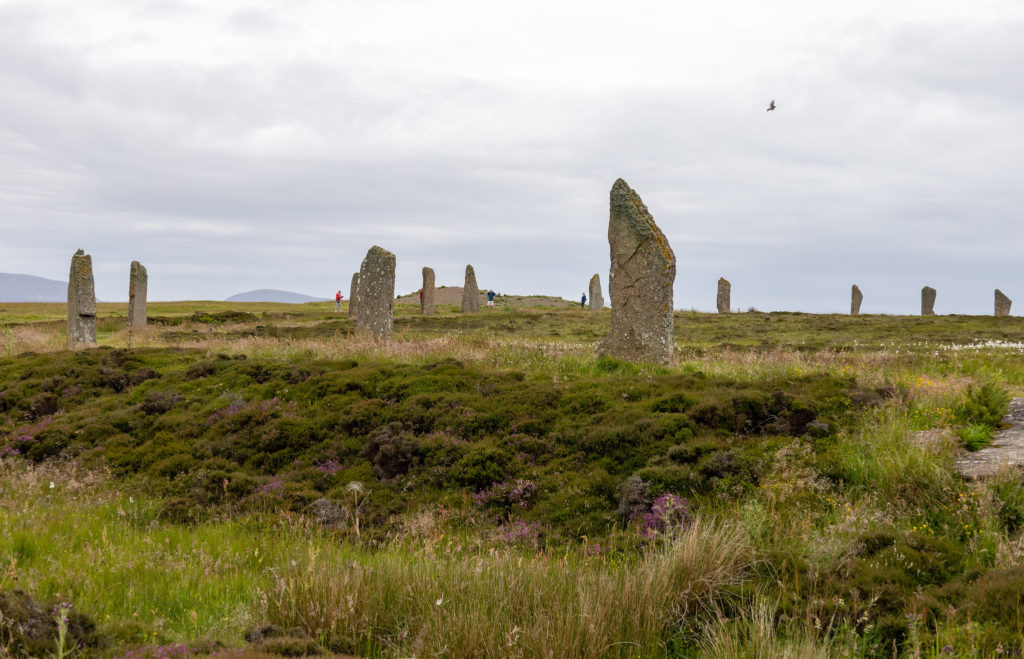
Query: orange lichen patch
point(670, 258)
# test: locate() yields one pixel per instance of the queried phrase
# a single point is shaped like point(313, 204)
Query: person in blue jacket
point(490, 299)
point(583, 302)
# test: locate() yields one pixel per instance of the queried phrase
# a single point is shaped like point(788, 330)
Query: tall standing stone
point(375, 299)
point(1002, 304)
point(470, 292)
point(138, 285)
point(724, 299)
point(643, 269)
point(927, 301)
point(81, 302)
point(596, 299)
point(427, 292)
point(353, 293)
point(856, 297)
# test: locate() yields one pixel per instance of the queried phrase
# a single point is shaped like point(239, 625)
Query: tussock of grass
point(879, 457)
point(503, 605)
point(758, 633)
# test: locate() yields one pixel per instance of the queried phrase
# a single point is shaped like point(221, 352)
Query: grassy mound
point(235, 433)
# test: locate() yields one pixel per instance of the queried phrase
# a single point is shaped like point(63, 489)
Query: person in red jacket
point(337, 301)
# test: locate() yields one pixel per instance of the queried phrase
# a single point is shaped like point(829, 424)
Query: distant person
point(583, 301)
point(490, 299)
point(337, 301)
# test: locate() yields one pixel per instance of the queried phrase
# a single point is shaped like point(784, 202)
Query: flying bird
point(771, 106)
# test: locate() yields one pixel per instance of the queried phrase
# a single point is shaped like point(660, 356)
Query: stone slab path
point(1006, 450)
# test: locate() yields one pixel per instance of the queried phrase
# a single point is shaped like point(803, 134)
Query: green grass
point(506, 471)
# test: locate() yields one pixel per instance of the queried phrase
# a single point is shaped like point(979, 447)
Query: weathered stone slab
point(353, 293)
point(927, 301)
point(1007, 449)
point(596, 299)
point(375, 299)
point(427, 292)
point(138, 286)
point(643, 270)
point(470, 292)
point(81, 302)
point(724, 298)
point(856, 297)
point(1002, 304)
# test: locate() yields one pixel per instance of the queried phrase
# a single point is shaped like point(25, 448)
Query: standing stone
point(353, 293)
point(138, 284)
point(596, 299)
point(427, 296)
point(81, 302)
point(375, 298)
point(1002, 304)
point(927, 301)
point(470, 292)
point(724, 299)
point(643, 270)
point(856, 297)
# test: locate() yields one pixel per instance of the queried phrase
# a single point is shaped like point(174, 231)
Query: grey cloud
point(887, 164)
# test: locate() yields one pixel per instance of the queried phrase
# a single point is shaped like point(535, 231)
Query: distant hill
point(29, 288)
point(272, 295)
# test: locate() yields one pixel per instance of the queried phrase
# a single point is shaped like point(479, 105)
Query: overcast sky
point(238, 145)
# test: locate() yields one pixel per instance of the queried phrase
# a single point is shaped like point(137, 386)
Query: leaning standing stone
point(856, 297)
point(470, 292)
point(1002, 304)
point(427, 297)
point(81, 302)
point(375, 300)
point(643, 270)
point(138, 284)
point(353, 293)
point(927, 301)
point(724, 299)
point(596, 299)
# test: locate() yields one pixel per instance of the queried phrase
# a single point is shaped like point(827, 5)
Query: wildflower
point(520, 532)
point(515, 494)
point(330, 467)
point(668, 512)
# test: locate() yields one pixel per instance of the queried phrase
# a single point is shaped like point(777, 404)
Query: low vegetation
point(255, 480)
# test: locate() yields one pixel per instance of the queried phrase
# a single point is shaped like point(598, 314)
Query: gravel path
point(1007, 449)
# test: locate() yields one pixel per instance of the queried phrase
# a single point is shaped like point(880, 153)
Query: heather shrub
point(159, 402)
point(480, 466)
point(507, 496)
point(998, 596)
point(633, 498)
point(392, 449)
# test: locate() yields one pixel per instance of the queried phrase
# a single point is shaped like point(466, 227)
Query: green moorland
point(255, 480)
